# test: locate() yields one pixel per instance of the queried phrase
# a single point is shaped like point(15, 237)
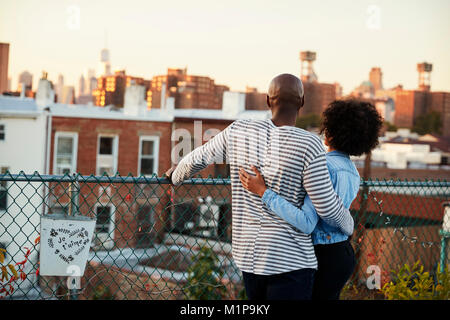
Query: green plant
point(102, 292)
point(389, 126)
point(6, 281)
point(204, 277)
point(17, 270)
point(307, 121)
point(428, 123)
point(242, 294)
point(413, 283)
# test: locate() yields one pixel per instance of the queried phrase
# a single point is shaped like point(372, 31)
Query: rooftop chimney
point(22, 90)
point(45, 95)
point(135, 100)
point(233, 103)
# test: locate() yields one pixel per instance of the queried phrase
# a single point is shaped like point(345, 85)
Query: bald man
point(277, 260)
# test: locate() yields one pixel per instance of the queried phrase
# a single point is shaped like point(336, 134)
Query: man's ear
point(268, 101)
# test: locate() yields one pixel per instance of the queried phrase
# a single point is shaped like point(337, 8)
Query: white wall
point(398, 155)
point(233, 103)
point(22, 149)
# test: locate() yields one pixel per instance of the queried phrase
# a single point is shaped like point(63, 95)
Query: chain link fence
point(155, 241)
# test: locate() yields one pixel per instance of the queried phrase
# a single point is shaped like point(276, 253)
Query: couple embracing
point(290, 199)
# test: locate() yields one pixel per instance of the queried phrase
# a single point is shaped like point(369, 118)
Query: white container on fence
point(446, 222)
point(65, 244)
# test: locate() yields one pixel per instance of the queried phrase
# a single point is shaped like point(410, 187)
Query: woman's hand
point(255, 184)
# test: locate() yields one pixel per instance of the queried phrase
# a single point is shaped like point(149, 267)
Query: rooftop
point(16, 106)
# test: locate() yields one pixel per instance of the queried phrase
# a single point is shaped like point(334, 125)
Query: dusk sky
point(237, 43)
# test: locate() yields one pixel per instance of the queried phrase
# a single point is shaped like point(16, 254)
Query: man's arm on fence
point(214, 151)
point(328, 205)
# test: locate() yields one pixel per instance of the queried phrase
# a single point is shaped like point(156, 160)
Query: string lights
point(404, 236)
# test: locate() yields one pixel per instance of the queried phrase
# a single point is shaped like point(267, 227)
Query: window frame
point(155, 140)
point(3, 131)
point(65, 134)
point(4, 185)
point(111, 222)
point(115, 155)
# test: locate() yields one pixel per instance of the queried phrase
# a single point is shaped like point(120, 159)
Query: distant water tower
point(307, 72)
point(424, 69)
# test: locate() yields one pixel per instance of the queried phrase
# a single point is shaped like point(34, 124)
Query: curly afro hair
point(351, 126)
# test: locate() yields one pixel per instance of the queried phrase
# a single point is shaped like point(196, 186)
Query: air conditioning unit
point(106, 164)
point(209, 215)
point(183, 218)
point(64, 168)
point(102, 241)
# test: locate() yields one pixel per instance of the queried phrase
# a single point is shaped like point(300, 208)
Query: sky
point(237, 43)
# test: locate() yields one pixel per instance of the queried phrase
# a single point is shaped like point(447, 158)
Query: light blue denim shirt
point(346, 181)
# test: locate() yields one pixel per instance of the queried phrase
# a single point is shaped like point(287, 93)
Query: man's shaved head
point(286, 91)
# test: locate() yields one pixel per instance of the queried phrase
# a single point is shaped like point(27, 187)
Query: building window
point(148, 155)
point(222, 170)
point(107, 155)
point(104, 219)
point(66, 145)
point(146, 222)
point(3, 191)
point(59, 209)
point(2, 132)
point(104, 227)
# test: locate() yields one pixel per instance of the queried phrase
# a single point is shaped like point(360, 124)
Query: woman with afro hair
point(351, 128)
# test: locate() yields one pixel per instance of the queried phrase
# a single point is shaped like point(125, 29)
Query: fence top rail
point(154, 179)
point(36, 177)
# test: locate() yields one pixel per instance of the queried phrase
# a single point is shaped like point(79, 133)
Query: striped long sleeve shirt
point(292, 162)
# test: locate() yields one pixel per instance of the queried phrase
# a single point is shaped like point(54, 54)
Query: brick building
point(92, 140)
point(255, 100)
point(189, 91)
point(4, 66)
point(111, 88)
point(137, 141)
point(317, 95)
point(411, 104)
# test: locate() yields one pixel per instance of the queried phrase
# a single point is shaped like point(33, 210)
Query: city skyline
point(235, 44)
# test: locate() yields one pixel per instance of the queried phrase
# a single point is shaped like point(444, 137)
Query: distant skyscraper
point(105, 65)
point(25, 79)
point(81, 86)
point(375, 76)
point(68, 95)
point(4, 59)
point(86, 85)
point(59, 87)
point(91, 81)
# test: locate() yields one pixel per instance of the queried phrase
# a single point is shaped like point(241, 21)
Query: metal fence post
point(73, 281)
point(444, 237)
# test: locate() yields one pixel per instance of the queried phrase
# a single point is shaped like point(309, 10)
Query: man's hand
point(169, 173)
point(255, 184)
